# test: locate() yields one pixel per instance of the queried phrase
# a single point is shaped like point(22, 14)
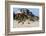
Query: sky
point(35, 11)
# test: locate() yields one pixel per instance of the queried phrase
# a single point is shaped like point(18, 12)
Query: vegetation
point(22, 17)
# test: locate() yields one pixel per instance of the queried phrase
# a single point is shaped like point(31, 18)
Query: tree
point(14, 15)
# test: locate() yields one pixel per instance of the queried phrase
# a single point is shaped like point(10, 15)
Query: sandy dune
point(20, 25)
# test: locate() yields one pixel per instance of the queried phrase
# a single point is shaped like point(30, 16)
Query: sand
point(20, 25)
